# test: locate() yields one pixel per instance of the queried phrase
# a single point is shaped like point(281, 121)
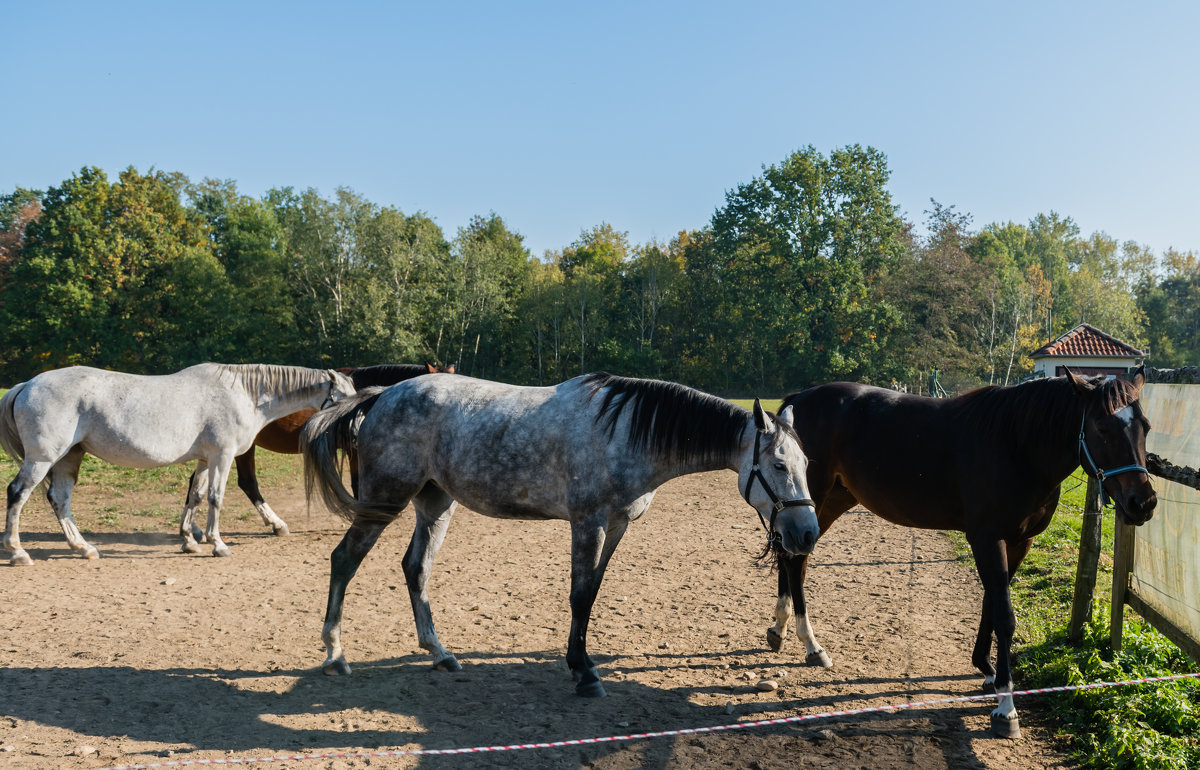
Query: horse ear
point(430, 368)
point(762, 421)
point(1080, 383)
point(450, 369)
point(1139, 378)
point(787, 417)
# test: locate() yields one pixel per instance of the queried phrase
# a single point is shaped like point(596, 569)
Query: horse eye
point(780, 466)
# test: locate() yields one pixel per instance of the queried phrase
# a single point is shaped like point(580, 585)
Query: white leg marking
point(268, 516)
point(1006, 707)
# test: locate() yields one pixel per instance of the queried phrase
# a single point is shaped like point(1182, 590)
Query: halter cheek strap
point(332, 387)
point(1096, 470)
point(777, 504)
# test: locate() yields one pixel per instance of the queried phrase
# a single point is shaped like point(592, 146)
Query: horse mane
point(668, 418)
point(271, 380)
point(1025, 410)
point(385, 374)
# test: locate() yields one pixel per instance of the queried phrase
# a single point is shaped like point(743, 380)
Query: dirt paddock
point(150, 655)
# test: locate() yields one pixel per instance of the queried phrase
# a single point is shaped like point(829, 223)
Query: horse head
point(340, 386)
point(1112, 443)
point(780, 468)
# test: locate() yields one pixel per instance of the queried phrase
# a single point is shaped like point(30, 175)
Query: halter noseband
point(777, 504)
point(1096, 470)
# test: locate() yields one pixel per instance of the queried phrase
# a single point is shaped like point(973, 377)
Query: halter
point(332, 387)
point(777, 504)
point(1097, 471)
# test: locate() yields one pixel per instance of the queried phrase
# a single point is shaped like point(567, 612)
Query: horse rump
point(327, 432)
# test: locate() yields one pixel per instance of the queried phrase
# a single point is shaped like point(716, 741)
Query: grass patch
point(770, 404)
point(110, 498)
point(1143, 726)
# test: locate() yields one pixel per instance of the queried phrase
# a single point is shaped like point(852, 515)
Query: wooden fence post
point(1089, 562)
point(1122, 566)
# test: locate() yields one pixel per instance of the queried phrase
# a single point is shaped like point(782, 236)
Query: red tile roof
point(1086, 340)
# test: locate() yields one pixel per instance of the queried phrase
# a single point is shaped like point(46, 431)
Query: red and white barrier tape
point(643, 736)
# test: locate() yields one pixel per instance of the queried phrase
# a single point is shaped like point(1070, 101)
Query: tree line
point(807, 273)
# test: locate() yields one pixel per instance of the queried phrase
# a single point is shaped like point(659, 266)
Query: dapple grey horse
point(208, 412)
point(591, 451)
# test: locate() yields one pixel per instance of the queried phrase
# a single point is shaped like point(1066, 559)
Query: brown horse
point(283, 435)
point(988, 463)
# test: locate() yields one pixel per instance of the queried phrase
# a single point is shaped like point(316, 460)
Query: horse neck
point(673, 466)
point(1048, 437)
point(273, 403)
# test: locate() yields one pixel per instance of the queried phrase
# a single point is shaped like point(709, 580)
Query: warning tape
point(643, 736)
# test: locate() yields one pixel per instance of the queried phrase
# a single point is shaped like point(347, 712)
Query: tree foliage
point(806, 273)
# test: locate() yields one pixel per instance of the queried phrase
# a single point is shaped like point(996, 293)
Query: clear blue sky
point(560, 116)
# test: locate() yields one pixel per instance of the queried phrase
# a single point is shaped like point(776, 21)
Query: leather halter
point(777, 504)
point(1099, 473)
point(332, 387)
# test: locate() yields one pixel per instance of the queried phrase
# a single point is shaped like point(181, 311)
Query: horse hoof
point(222, 551)
point(91, 553)
point(21, 560)
point(818, 658)
point(448, 663)
point(191, 548)
point(989, 684)
point(590, 689)
point(774, 639)
point(282, 530)
point(337, 667)
point(1006, 726)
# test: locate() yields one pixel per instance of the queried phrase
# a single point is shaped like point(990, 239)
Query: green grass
point(110, 498)
point(1143, 726)
point(771, 404)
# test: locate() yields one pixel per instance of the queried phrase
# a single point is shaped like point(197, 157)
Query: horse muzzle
point(798, 531)
point(1137, 506)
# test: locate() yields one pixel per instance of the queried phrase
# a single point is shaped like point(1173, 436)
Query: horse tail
point(9, 438)
point(324, 434)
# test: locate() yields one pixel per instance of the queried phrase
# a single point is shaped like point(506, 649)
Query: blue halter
point(1096, 470)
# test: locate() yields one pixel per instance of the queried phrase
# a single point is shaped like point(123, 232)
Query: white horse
point(591, 451)
point(208, 412)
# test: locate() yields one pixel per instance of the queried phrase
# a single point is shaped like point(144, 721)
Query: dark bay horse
point(988, 463)
point(283, 435)
point(591, 451)
point(208, 413)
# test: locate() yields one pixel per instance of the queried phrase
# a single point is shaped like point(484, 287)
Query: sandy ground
point(153, 656)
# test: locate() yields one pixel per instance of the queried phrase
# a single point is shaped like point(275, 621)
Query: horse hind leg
point(31, 474)
point(62, 479)
point(247, 479)
point(360, 537)
point(434, 509)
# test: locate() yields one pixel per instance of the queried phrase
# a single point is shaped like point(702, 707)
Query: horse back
point(891, 451)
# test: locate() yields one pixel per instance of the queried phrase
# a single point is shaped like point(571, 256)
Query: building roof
point(1086, 341)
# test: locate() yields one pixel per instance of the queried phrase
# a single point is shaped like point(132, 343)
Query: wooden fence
point(1156, 567)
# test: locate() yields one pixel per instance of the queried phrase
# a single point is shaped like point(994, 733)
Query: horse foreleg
point(247, 479)
point(218, 474)
point(592, 544)
point(343, 563)
point(30, 475)
point(58, 493)
point(191, 534)
point(1015, 551)
point(992, 564)
point(792, 570)
point(434, 509)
